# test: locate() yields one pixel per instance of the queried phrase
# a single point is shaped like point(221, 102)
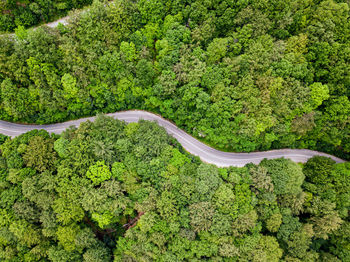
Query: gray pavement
point(55, 23)
point(192, 145)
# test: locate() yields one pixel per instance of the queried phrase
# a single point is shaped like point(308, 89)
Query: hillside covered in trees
point(108, 191)
point(241, 75)
point(14, 13)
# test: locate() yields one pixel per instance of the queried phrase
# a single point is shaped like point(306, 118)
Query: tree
point(21, 32)
point(66, 236)
point(325, 225)
point(60, 147)
point(98, 253)
point(208, 180)
point(217, 49)
point(98, 173)
point(318, 170)
point(67, 211)
point(201, 215)
point(261, 180)
point(26, 233)
point(40, 154)
point(239, 75)
point(268, 250)
point(274, 222)
point(286, 175)
point(167, 206)
point(15, 101)
point(224, 198)
point(319, 93)
point(69, 86)
point(299, 243)
point(57, 254)
point(244, 223)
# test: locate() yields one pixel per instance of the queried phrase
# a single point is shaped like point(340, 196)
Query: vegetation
point(26, 13)
point(110, 191)
point(242, 75)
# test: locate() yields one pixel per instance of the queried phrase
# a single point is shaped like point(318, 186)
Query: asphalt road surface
point(55, 23)
point(192, 145)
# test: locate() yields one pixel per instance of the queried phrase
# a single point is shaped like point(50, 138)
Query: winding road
point(192, 145)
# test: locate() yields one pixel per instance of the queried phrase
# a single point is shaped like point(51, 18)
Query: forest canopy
point(26, 13)
point(242, 75)
point(108, 191)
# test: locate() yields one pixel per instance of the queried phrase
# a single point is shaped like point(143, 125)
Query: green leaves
point(224, 198)
point(67, 211)
point(318, 170)
point(69, 86)
point(66, 236)
point(201, 215)
point(60, 146)
point(242, 75)
point(286, 175)
point(98, 173)
point(103, 220)
point(39, 153)
point(158, 203)
point(21, 32)
point(33, 13)
point(128, 51)
point(319, 93)
point(217, 49)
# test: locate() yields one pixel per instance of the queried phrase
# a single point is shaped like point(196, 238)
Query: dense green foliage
point(14, 13)
point(243, 75)
point(108, 191)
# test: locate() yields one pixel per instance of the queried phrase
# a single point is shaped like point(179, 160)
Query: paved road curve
point(191, 144)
